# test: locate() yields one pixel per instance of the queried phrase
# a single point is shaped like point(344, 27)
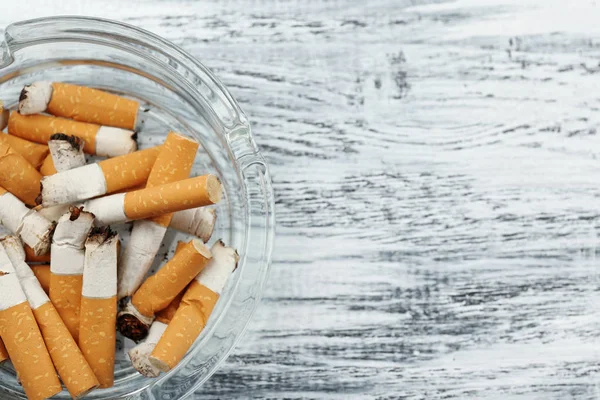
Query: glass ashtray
point(177, 93)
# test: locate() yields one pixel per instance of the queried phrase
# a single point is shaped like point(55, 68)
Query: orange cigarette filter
point(159, 200)
point(18, 176)
point(72, 366)
point(48, 167)
point(98, 336)
point(65, 293)
point(31, 257)
point(38, 128)
point(162, 288)
point(3, 116)
point(129, 170)
point(28, 352)
point(42, 273)
point(189, 320)
point(92, 105)
point(3, 352)
point(165, 316)
point(34, 153)
point(172, 164)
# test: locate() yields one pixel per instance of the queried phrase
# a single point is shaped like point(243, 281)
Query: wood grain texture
point(436, 177)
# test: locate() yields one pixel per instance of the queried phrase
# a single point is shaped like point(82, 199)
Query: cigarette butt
point(33, 229)
point(79, 103)
point(67, 265)
point(198, 221)
point(195, 309)
point(177, 196)
point(22, 337)
point(162, 288)
point(140, 354)
point(151, 202)
point(3, 352)
point(3, 116)
point(99, 304)
point(18, 176)
point(28, 353)
point(173, 163)
point(33, 258)
point(92, 180)
point(92, 105)
point(72, 367)
point(66, 151)
point(48, 167)
point(42, 273)
point(99, 140)
point(189, 321)
point(34, 153)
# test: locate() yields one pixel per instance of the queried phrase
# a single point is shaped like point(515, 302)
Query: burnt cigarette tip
point(237, 259)
point(74, 141)
point(102, 233)
point(23, 95)
point(213, 186)
point(123, 302)
point(75, 213)
point(131, 327)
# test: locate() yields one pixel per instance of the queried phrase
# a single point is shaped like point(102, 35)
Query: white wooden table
point(437, 184)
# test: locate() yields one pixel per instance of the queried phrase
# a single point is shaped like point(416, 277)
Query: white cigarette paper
point(11, 293)
point(34, 229)
point(68, 252)
point(144, 243)
point(69, 186)
point(100, 271)
point(111, 141)
point(29, 283)
point(199, 222)
point(35, 98)
point(65, 156)
point(53, 213)
point(66, 151)
point(140, 354)
point(214, 276)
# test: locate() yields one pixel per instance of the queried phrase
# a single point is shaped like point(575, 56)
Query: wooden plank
point(435, 168)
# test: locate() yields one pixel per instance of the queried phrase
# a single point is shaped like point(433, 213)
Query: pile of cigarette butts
point(66, 286)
